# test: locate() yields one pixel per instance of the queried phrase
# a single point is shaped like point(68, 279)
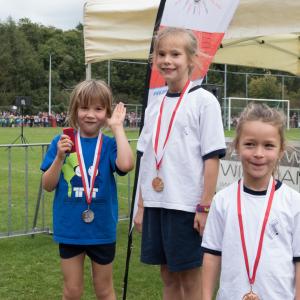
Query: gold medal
point(157, 184)
point(88, 216)
point(250, 296)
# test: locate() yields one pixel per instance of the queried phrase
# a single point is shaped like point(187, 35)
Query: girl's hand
point(199, 222)
point(118, 116)
point(64, 145)
point(138, 220)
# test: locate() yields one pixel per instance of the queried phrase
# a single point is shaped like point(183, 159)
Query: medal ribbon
point(88, 185)
point(261, 238)
point(159, 159)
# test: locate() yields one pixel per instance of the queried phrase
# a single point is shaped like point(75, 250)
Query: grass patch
point(29, 267)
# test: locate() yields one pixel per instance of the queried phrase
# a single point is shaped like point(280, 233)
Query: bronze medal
point(88, 216)
point(157, 184)
point(250, 296)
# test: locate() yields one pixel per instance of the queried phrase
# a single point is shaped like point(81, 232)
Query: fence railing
point(25, 208)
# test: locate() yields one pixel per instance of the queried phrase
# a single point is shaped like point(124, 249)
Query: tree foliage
point(25, 50)
point(265, 87)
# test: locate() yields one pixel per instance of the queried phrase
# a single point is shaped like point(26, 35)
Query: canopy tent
point(263, 33)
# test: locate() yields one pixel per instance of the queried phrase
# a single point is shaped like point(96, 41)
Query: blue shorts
point(169, 238)
point(101, 254)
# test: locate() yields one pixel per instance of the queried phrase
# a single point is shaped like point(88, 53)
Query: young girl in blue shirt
point(85, 208)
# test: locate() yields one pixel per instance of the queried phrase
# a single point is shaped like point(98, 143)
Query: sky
point(63, 14)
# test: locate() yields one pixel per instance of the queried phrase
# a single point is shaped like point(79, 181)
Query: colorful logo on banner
point(208, 19)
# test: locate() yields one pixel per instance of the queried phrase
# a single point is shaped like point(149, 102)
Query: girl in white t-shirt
point(252, 233)
point(182, 141)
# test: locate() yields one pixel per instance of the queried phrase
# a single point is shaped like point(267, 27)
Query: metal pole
point(246, 85)
point(282, 87)
point(50, 84)
point(108, 72)
point(88, 71)
point(225, 95)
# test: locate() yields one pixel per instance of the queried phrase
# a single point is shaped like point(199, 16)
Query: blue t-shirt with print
point(70, 202)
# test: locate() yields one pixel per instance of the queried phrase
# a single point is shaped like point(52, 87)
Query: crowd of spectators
point(42, 119)
point(132, 120)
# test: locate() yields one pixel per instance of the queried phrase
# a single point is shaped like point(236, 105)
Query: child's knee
point(104, 291)
point(72, 291)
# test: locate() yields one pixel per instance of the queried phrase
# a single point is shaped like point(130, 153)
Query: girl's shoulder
point(226, 195)
point(202, 96)
point(228, 190)
point(107, 138)
point(55, 139)
point(289, 193)
point(108, 141)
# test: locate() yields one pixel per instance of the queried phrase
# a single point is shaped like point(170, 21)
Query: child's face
point(259, 149)
point(91, 119)
point(172, 62)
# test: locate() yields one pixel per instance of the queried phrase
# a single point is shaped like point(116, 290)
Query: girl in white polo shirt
point(252, 233)
point(179, 167)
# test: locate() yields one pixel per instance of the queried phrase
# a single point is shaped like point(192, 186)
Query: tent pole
point(88, 71)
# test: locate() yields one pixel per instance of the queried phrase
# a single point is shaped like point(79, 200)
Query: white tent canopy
point(263, 33)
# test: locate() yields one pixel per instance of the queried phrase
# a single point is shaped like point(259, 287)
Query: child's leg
point(103, 281)
point(72, 269)
point(190, 281)
point(182, 246)
point(171, 284)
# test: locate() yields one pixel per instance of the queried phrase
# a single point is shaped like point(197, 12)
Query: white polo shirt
point(281, 246)
point(197, 134)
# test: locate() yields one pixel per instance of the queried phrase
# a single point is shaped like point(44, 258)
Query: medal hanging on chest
point(88, 185)
point(157, 182)
point(250, 296)
point(270, 195)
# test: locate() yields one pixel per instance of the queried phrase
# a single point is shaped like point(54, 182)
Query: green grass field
point(29, 267)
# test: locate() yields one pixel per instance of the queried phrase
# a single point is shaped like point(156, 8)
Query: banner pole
point(138, 153)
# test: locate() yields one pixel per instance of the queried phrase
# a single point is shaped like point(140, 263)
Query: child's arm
point(210, 273)
point(51, 177)
point(138, 220)
point(124, 159)
point(211, 170)
point(297, 281)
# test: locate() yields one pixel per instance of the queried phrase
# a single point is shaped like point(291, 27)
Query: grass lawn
point(29, 267)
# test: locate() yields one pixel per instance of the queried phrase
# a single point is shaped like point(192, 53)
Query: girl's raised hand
point(118, 116)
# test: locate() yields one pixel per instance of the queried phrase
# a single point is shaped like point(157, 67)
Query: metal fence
point(25, 208)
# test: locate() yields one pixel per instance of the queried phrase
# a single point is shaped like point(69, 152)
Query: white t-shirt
point(276, 270)
point(196, 135)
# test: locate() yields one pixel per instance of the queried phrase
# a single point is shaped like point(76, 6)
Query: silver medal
point(88, 216)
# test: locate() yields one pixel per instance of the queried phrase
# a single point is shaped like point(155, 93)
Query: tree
point(265, 87)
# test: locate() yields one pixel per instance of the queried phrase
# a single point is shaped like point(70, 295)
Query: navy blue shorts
point(169, 238)
point(101, 254)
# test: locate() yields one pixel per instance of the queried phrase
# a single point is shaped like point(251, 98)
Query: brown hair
point(187, 36)
point(85, 93)
point(263, 113)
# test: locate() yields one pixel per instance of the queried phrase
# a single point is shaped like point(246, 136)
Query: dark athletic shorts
point(101, 254)
point(169, 238)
